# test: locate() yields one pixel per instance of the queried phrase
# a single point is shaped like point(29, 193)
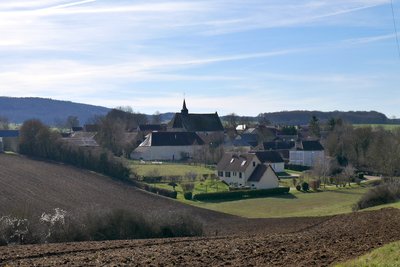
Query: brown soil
point(240, 242)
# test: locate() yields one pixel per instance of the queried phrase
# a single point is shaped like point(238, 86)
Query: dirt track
point(337, 238)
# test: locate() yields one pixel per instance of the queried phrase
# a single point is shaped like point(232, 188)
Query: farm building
point(168, 146)
point(246, 170)
point(307, 153)
point(9, 140)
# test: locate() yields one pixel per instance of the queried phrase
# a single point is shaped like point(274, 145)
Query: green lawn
point(296, 204)
point(168, 169)
point(387, 255)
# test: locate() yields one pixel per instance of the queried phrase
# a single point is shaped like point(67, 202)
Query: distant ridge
point(302, 117)
point(18, 110)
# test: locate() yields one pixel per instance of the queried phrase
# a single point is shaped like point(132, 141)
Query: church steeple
point(184, 110)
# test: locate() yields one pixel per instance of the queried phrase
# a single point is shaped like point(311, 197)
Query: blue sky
point(242, 56)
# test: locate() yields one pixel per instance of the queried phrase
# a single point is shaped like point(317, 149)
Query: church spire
point(184, 109)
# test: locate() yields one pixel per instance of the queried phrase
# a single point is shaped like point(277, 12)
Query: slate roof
point(152, 127)
point(275, 145)
point(197, 122)
point(9, 133)
point(258, 173)
point(172, 139)
point(235, 162)
point(269, 156)
point(311, 146)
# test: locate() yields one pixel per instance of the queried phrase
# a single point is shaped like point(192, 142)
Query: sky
point(241, 56)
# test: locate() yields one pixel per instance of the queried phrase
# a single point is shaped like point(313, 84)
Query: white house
point(168, 146)
point(246, 170)
point(307, 153)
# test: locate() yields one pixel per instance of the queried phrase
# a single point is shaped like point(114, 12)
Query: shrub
point(155, 190)
point(315, 184)
point(298, 187)
point(188, 195)
point(305, 187)
point(241, 194)
point(381, 194)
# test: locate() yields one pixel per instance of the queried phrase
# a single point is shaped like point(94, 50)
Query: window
point(234, 173)
point(220, 174)
point(227, 174)
point(240, 175)
point(232, 160)
point(244, 162)
point(254, 163)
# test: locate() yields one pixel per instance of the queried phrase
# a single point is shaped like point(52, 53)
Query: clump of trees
point(114, 125)
point(374, 150)
point(37, 140)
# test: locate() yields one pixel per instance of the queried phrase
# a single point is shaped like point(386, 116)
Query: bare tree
point(4, 123)
point(322, 169)
point(156, 118)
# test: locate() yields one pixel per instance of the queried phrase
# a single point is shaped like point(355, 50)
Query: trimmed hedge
point(188, 195)
point(241, 194)
point(156, 190)
point(298, 168)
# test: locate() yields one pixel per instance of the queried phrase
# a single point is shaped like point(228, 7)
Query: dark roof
point(275, 145)
point(152, 127)
point(311, 146)
point(258, 173)
point(9, 133)
point(269, 156)
point(174, 139)
point(197, 122)
point(91, 127)
point(77, 128)
point(235, 162)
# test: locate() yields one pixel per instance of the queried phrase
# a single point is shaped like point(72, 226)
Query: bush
point(112, 225)
point(298, 187)
point(305, 187)
point(155, 190)
point(241, 194)
point(298, 168)
point(188, 195)
point(315, 184)
point(381, 194)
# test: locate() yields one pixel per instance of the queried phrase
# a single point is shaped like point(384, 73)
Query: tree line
point(37, 140)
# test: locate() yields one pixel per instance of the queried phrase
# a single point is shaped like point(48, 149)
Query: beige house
point(246, 170)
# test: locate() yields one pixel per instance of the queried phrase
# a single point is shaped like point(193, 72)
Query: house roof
point(258, 173)
point(235, 162)
point(275, 145)
point(9, 133)
point(172, 139)
point(269, 156)
point(311, 146)
point(197, 122)
point(151, 127)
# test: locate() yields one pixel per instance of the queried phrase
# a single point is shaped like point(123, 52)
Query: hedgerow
point(241, 194)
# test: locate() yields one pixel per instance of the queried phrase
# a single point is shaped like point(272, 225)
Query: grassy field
point(385, 126)
point(296, 204)
point(387, 255)
point(168, 169)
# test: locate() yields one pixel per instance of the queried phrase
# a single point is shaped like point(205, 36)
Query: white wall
point(163, 152)
point(269, 180)
point(305, 158)
point(278, 167)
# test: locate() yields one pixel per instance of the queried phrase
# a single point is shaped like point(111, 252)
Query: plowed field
point(240, 242)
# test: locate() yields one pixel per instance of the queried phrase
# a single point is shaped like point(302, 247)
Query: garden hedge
point(156, 190)
point(241, 194)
